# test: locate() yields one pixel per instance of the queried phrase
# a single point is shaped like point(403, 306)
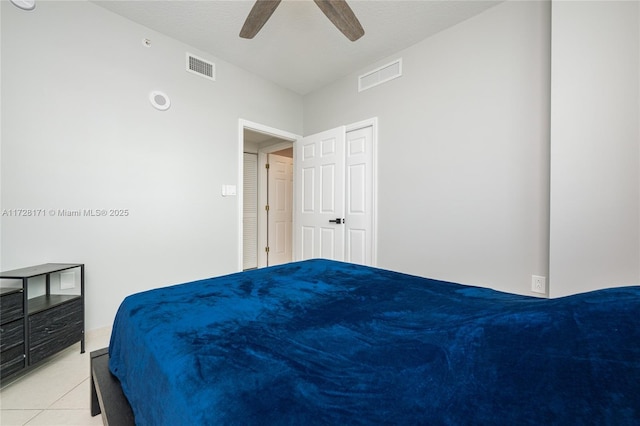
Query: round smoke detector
point(159, 100)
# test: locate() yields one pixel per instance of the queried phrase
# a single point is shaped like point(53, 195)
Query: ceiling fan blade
point(339, 12)
point(259, 15)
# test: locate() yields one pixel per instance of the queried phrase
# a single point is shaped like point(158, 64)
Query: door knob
point(337, 220)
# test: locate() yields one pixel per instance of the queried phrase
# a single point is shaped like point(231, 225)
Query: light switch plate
point(229, 190)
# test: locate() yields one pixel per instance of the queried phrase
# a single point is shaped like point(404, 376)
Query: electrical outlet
point(538, 284)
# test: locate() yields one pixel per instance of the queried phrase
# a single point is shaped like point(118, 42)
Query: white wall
point(463, 149)
point(595, 109)
point(79, 133)
point(1, 204)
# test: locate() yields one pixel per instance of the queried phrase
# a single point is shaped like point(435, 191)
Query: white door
point(320, 195)
point(280, 195)
point(359, 196)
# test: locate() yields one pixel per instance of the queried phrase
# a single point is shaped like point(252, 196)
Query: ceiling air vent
point(380, 75)
point(201, 67)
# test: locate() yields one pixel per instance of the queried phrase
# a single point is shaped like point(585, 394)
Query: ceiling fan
point(338, 12)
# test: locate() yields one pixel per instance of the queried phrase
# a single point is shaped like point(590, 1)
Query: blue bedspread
point(322, 342)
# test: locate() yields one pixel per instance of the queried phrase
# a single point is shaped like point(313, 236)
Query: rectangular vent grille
point(380, 75)
point(201, 67)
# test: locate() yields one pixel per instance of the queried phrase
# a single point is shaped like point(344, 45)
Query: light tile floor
point(56, 393)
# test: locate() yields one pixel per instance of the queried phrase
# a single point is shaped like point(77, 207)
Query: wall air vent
point(380, 75)
point(201, 67)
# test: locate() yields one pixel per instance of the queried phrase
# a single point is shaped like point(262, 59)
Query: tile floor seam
point(51, 406)
point(32, 417)
point(74, 407)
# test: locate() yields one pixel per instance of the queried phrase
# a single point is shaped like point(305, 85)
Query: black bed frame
point(106, 393)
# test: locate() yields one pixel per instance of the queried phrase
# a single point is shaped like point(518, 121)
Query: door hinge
point(266, 207)
point(266, 249)
point(266, 166)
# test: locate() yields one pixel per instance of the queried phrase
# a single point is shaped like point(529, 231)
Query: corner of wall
point(595, 153)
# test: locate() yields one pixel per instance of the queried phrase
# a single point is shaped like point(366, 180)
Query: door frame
point(283, 134)
point(261, 128)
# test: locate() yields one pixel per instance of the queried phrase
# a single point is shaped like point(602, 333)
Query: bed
point(325, 342)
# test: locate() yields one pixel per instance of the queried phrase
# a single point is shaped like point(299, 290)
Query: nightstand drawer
point(11, 335)
point(11, 361)
point(55, 329)
point(11, 307)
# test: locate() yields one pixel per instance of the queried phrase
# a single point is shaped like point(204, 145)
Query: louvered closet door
point(250, 212)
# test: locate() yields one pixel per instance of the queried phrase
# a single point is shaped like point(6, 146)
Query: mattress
point(325, 342)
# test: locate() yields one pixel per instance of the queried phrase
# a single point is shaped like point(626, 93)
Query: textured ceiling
point(298, 48)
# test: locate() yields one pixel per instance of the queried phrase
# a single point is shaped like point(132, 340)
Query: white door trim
point(246, 124)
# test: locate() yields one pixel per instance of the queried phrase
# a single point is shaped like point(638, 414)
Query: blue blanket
point(322, 342)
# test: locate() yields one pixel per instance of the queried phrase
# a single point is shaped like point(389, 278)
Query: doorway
point(357, 228)
point(266, 234)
